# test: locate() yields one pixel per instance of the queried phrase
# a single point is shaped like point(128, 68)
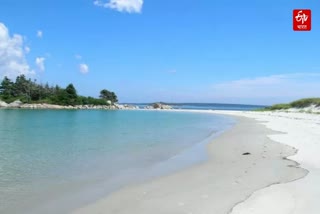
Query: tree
point(6, 88)
point(61, 97)
point(30, 91)
point(36, 90)
point(114, 97)
point(21, 86)
point(71, 93)
point(108, 95)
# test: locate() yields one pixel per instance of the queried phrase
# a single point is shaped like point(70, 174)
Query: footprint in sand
point(236, 182)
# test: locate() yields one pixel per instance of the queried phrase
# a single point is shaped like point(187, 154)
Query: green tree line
point(29, 91)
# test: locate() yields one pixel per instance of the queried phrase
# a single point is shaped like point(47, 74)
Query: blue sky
point(165, 50)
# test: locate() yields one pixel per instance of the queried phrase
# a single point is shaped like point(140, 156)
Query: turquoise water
point(207, 106)
point(59, 160)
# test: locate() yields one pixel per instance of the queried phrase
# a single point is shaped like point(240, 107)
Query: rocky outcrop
point(15, 104)
point(19, 104)
point(3, 104)
point(45, 106)
point(158, 106)
point(125, 106)
point(77, 107)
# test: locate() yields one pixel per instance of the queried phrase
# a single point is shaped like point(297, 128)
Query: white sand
point(301, 196)
point(229, 178)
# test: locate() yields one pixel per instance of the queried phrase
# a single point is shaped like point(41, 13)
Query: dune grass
point(302, 103)
point(306, 102)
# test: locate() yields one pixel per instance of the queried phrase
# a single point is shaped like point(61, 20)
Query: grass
point(306, 102)
point(302, 103)
point(282, 106)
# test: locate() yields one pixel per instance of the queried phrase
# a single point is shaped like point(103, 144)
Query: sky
point(165, 50)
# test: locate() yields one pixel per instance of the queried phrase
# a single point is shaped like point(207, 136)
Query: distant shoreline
point(115, 106)
point(76, 107)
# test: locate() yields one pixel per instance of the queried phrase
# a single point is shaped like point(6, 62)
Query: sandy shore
point(299, 197)
point(232, 182)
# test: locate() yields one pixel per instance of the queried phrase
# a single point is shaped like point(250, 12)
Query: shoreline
point(223, 178)
point(46, 106)
point(181, 159)
point(302, 131)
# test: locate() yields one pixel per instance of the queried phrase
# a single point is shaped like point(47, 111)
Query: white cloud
point(27, 49)
point(12, 54)
point(84, 68)
point(129, 6)
point(40, 63)
point(268, 89)
point(39, 34)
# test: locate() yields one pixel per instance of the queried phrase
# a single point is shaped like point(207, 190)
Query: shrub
point(279, 107)
point(305, 102)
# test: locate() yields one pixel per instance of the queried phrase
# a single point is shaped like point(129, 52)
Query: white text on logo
point(301, 17)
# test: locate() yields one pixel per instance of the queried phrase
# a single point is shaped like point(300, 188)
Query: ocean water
point(55, 161)
point(208, 106)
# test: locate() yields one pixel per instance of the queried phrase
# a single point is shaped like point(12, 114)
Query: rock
point(125, 106)
point(28, 106)
point(3, 104)
point(166, 107)
point(15, 104)
point(159, 106)
point(148, 107)
point(19, 104)
point(117, 106)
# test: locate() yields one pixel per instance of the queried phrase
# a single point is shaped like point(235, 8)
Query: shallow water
point(63, 159)
point(208, 106)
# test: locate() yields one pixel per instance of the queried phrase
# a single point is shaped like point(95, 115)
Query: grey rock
point(15, 104)
point(159, 106)
point(3, 104)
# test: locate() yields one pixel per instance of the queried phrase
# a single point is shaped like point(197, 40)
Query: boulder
point(148, 107)
point(15, 104)
point(156, 105)
point(27, 106)
point(159, 106)
point(166, 107)
point(3, 104)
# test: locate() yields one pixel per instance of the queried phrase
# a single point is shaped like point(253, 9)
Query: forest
point(29, 91)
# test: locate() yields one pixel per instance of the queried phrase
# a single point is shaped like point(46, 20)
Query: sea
point(206, 106)
point(54, 161)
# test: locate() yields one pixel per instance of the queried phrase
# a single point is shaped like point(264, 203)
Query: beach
point(159, 107)
point(301, 131)
point(267, 163)
point(55, 161)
